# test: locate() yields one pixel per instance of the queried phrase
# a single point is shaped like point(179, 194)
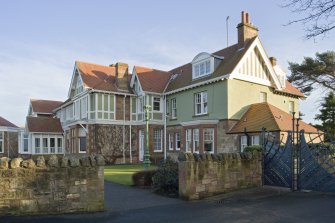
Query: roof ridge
point(137, 66)
point(84, 62)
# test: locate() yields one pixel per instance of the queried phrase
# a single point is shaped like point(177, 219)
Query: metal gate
point(299, 164)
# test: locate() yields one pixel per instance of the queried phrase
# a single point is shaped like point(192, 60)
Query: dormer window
point(202, 69)
point(204, 64)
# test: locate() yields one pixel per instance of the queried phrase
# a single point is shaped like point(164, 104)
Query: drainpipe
point(130, 154)
point(164, 116)
point(130, 118)
point(123, 129)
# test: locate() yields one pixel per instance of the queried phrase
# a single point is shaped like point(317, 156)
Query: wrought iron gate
point(299, 164)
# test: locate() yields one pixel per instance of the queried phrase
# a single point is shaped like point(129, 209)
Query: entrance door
point(141, 144)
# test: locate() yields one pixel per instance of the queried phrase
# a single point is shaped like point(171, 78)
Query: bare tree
point(318, 16)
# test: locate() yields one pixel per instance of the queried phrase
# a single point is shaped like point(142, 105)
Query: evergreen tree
point(313, 73)
point(327, 114)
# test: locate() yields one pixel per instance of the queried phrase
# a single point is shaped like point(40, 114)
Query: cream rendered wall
point(241, 94)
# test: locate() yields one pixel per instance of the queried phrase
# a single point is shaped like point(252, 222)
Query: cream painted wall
point(241, 94)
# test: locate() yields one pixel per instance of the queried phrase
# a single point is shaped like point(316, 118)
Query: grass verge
point(122, 174)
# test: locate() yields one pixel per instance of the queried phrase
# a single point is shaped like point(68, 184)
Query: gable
point(255, 67)
point(77, 84)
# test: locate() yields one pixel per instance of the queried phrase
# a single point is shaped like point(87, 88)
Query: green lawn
point(122, 174)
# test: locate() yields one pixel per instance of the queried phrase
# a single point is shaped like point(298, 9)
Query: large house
point(9, 138)
point(211, 104)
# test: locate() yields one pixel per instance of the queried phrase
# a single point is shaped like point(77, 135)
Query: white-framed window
point(167, 107)
point(263, 97)
point(25, 142)
point(83, 104)
point(188, 140)
point(157, 104)
point(105, 106)
point(37, 145)
point(1, 142)
point(177, 140)
point(244, 142)
point(45, 145)
point(170, 142)
point(174, 108)
point(82, 140)
point(196, 140)
point(77, 110)
point(140, 105)
point(291, 107)
point(157, 142)
point(209, 140)
point(201, 69)
point(79, 85)
point(52, 145)
point(255, 140)
point(60, 145)
point(201, 103)
point(69, 112)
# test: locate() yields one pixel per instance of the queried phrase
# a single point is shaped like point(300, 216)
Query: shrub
point(253, 148)
point(166, 181)
point(143, 178)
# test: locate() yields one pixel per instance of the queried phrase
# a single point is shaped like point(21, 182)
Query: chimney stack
point(273, 61)
point(245, 30)
point(121, 70)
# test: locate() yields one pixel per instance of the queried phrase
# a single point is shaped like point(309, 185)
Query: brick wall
point(205, 175)
point(57, 186)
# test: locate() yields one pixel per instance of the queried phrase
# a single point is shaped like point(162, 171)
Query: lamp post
point(147, 154)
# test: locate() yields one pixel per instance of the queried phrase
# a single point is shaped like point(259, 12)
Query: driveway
point(124, 204)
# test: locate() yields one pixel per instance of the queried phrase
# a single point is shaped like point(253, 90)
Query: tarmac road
point(124, 204)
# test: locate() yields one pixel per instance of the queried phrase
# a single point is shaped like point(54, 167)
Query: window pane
point(208, 67)
point(202, 68)
point(92, 102)
point(157, 139)
point(82, 144)
point(106, 103)
point(1, 147)
point(157, 102)
point(209, 140)
point(255, 140)
point(111, 103)
point(100, 102)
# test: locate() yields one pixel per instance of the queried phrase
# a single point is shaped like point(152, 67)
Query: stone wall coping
point(54, 161)
point(207, 157)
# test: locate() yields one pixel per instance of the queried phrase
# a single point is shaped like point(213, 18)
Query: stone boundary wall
point(59, 185)
point(204, 175)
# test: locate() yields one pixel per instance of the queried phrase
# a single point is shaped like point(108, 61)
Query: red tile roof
point(44, 106)
point(44, 125)
point(152, 80)
point(99, 77)
point(6, 123)
point(290, 89)
point(265, 115)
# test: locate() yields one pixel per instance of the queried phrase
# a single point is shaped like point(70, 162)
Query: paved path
point(256, 205)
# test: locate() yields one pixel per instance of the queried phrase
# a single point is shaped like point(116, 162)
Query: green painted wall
point(242, 94)
point(217, 103)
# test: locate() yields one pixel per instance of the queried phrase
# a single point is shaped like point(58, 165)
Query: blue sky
point(40, 41)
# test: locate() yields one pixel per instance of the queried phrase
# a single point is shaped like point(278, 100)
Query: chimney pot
point(273, 61)
point(245, 30)
point(243, 19)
